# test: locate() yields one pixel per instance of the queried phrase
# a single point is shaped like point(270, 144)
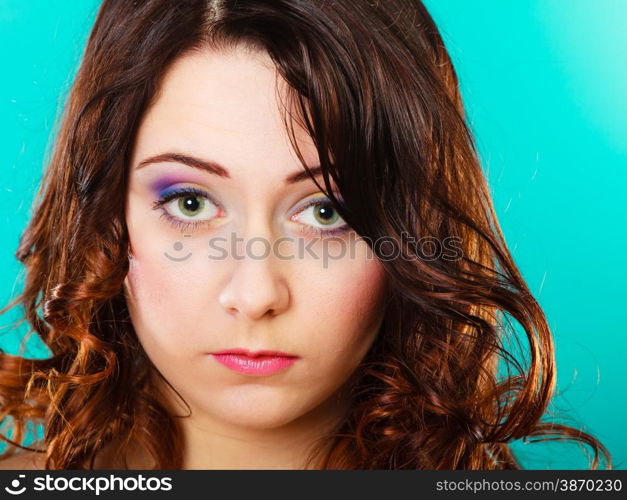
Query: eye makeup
point(170, 187)
point(165, 190)
point(159, 186)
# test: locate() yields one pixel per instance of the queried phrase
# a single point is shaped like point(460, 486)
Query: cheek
point(345, 309)
point(356, 300)
point(166, 298)
point(174, 304)
point(150, 297)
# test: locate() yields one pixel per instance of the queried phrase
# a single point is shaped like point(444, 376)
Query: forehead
point(227, 106)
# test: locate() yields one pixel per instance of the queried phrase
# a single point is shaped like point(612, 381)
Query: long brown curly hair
point(374, 86)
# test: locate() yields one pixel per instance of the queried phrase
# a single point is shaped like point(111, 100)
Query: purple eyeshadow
point(161, 185)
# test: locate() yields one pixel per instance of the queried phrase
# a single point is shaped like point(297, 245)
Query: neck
point(213, 444)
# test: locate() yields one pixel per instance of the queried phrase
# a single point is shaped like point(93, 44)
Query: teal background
point(543, 83)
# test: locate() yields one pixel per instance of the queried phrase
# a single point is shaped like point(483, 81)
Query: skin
point(222, 106)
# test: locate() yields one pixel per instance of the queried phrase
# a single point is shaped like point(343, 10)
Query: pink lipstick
point(255, 363)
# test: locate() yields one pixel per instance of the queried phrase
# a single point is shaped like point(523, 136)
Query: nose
point(256, 288)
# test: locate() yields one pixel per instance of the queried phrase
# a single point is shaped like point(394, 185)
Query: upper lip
point(253, 354)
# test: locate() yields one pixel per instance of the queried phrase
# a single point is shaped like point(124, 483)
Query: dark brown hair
point(374, 86)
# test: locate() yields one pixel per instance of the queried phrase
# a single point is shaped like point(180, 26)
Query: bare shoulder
point(29, 460)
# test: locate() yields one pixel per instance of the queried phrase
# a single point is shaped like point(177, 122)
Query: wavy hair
point(374, 86)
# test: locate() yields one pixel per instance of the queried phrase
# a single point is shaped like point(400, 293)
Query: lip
point(262, 362)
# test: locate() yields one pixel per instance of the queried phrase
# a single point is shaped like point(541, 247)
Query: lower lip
point(260, 365)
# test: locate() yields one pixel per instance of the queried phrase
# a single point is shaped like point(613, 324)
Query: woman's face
point(193, 290)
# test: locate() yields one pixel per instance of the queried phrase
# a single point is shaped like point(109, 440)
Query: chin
point(255, 409)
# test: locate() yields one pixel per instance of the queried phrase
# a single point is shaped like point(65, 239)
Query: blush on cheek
point(359, 302)
point(171, 299)
point(149, 299)
point(363, 291)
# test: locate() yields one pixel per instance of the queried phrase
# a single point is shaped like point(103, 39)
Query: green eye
point(319, 216)
point(191, 205)
point(325, 214)
point(188, 207)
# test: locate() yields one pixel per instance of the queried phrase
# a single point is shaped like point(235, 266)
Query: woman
point(182, 229)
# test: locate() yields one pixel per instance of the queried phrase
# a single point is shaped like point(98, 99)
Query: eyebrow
point(216, 169)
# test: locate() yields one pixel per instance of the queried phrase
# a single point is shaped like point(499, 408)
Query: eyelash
point(316, 230)
point(175, 221)
point(178, 223)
